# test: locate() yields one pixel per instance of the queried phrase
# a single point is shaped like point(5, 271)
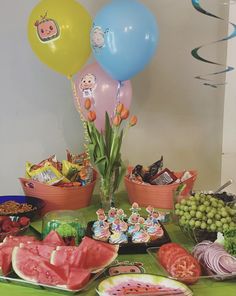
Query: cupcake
point(140, 237)
point(102, 233)
point(155, 231)
point(118, 237)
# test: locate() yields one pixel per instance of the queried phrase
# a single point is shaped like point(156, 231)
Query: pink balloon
point(94, 83)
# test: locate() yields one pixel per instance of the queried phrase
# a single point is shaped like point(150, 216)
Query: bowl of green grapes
point(202, 215)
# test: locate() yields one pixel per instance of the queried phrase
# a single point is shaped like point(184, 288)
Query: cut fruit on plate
point(142, 285)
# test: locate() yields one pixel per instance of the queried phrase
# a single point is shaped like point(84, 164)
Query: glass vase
point(107, 193)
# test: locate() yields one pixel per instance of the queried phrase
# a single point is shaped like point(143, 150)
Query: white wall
point(178, 117)
point(229, 138)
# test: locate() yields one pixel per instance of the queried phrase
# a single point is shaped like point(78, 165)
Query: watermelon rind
point(114, 281)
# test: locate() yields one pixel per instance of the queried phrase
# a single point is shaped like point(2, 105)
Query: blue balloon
point(124, 38)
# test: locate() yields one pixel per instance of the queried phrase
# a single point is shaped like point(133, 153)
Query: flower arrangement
point(104, 148)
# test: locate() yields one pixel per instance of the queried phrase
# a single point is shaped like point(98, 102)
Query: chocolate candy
point(165, 177)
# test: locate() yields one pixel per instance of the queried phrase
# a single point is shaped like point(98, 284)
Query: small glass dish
point(207, 274)
point(69, 224)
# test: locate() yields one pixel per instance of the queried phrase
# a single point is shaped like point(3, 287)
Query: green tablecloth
point(202, 288)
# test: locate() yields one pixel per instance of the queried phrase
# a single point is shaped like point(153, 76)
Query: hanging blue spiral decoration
point(195, 52)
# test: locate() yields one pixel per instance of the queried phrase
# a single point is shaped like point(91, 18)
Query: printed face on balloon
point(47, 29)
point(98, 37)
point(87, 85)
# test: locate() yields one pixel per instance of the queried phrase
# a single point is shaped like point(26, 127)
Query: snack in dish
point(75, 171)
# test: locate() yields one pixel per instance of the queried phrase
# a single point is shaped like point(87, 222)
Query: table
point(202, 288)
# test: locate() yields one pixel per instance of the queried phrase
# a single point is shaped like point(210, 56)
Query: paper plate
point(142, 285)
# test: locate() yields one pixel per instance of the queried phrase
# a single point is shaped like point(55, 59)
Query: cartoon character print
point(88, 85)
point(125, 267)
point(47, 29)
point(98, 38)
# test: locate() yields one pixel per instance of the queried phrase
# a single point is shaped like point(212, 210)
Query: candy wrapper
point(75, 171)
point(155, 175)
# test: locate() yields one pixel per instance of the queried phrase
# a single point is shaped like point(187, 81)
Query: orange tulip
point(119, 108)
point(133, 120)
point(87, 104)
point(117, 120)
point(124, 114)
point(91, 116)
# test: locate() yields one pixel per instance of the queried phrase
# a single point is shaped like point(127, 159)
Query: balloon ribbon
point(196, 55)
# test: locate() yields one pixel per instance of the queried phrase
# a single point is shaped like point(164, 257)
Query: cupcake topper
point(135, 208)
point(111, 215)
point(141, 222)
point(155, 217)
point(150, 210)
point(133, 219)
point(120, 214)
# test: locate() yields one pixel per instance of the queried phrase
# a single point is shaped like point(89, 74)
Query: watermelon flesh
point(38, 249)
point(33, 268)
point(53, 238)
point(77, 278)
point(90, 255)
point(5, 260)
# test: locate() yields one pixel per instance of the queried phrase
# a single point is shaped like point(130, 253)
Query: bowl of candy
point(13, 225)
point(157, 186)
point(21, 206)
point(65, 185)
point(202, 215)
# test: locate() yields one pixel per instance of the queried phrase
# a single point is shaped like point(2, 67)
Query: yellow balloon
point(59, 34)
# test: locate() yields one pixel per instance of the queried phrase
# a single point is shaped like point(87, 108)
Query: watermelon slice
point(141, 284)
point(5, 260)
point(54, 238)
point(90, 255)
point(87, 240)
point(41, 250)
point(65, 255)
point(31, 267)
point(77, 278)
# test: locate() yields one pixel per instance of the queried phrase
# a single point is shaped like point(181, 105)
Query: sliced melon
point(5, 260)
point(77, 278)
point(54, 238)
point(31, 267)
point(41, 250)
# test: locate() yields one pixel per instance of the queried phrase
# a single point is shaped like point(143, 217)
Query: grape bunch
point(203, 211)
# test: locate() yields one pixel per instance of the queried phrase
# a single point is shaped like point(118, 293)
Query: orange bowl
point(59, 198)
point(158, 196)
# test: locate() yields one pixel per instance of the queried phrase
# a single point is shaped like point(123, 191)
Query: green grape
point(217, 217)
point(197, 224)
point(232, 224)
point(197, 197)
point(223, 220)
point(177, 212)
point(213, 227)
point(183, 202)
point(186, 209)
point(187, 216)
point(203, 225)
point(209, 221)
point(225, 226)
point(177, 206)
point(228, 219)
point(204, 218)
point(188, 203)
point(202, 208)
point(194, 207)
point(181, 213)
point(210, 215)
point(206, 203)
point(218, 224)
point(198, 215)
point(208, 209)
point(192, 223)
point(224, 213)
point(214, 204)
point(192, 213)
point(191, 198)
point(213, 210)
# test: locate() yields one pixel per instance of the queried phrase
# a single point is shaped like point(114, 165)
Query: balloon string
point(196, 55)
point(79, 109)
